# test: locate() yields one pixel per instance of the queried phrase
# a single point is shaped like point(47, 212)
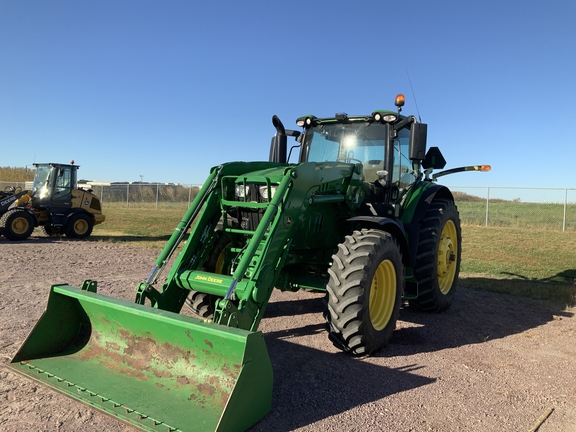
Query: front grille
point(95, 204)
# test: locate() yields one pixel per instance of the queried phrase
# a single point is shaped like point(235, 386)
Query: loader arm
point(293, 193)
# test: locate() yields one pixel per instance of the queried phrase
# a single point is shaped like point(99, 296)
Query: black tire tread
point(69, 230)
point(346, 307)
point(5, 222)
point(51, 231)
point(430, 298)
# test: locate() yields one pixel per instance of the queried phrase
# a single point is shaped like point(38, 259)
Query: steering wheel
point(350, 159)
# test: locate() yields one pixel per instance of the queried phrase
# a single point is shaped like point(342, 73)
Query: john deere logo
point(208, 279)
point(8, 200)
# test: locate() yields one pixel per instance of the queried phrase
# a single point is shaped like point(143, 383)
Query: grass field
point(531, 262)
point(518, 214)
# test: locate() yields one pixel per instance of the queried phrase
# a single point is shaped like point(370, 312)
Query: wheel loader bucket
point(154, 369)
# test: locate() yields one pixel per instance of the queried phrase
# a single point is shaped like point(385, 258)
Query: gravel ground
point(490, 363)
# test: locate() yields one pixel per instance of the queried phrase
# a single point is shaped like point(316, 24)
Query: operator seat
point(371, 167)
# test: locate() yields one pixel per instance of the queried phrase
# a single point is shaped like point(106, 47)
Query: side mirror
point(418, 133)
point(434, 159)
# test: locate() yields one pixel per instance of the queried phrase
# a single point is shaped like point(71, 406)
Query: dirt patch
point(491, 362)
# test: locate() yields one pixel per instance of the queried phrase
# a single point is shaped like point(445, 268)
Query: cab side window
point(63, 182)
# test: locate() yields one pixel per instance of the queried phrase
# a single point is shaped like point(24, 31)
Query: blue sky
point(167, 89)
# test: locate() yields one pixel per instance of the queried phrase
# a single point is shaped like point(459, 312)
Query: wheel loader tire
point(364, 291)
point(79, 226)
point(437, 264)
point(51, 231)
point(203, 304)
point(17, 224)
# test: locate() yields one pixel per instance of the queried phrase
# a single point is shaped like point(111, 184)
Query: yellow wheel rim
point(447, 255)
point(220, 261)
point(80, 226)
point(20, 225)
point(382, 295)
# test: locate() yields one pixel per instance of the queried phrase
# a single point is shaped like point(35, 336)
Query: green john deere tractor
point(360, 216)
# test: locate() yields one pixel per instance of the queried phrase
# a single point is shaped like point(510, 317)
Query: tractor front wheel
point(437, 264)
point(203, 304)
point(17, 224)
point(364, 291)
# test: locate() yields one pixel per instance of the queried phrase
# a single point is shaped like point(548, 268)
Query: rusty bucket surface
point(154, 369)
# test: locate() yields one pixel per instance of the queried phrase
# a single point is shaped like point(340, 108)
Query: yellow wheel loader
point(54, 203)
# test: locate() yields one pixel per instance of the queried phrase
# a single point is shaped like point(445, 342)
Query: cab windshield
point(41, 180)
point(357, 142)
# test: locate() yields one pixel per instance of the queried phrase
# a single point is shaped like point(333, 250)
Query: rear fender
point(419, 201)
point(31, 213)
point(74, 213)
point(34, 216)
point(417, 206)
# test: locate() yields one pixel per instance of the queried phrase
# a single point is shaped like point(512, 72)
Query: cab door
point(63, 186)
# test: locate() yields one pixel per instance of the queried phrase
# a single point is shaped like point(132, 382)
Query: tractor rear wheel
point(437, 264)
point(203, 304)
point(364, 291)
point(17, 224)
point(79, 226)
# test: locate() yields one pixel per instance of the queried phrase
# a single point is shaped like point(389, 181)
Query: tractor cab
point(388, 147)
point(359, 140)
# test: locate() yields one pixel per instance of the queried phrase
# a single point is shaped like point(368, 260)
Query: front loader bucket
point(154, 369)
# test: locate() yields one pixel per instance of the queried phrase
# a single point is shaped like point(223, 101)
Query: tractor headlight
point(240, 191)
point(306, 121)
point(384, 116)
point(264, 192)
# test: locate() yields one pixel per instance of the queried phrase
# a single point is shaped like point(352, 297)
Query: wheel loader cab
point(53, 185)
point(61, 207)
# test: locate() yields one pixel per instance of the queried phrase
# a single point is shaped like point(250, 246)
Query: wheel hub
point(20, 225)
point(447, 252)
point(80, 227)
point(382, 294)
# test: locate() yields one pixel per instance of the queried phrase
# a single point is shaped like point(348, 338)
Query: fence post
point(487, 204)
point(565, 205)
point(127, 194)
point(157, 187)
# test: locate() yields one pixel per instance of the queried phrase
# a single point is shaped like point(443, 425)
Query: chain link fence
point(542, 208)
point(152, 195)
point(136, 195)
